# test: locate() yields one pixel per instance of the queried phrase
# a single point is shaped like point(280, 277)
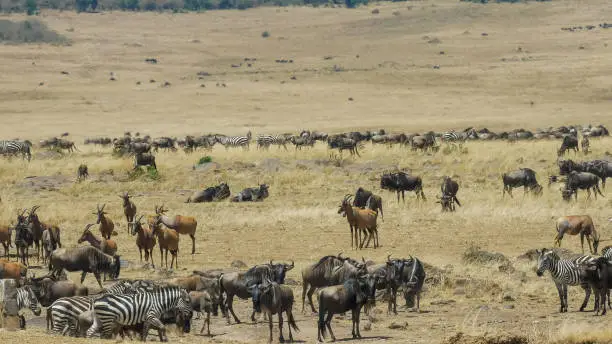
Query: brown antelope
point(108, 246)
point(181, 224)
point(145, 239)
point(577, 224)
point(168, 240)
point(129, 209)
point(106, 225)
point(5, 238)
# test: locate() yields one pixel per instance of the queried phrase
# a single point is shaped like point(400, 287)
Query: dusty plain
point(501, 66)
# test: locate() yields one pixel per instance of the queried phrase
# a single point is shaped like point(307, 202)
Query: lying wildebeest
point(449, 191)
point(273, 298)
point(145, 159)
point(210, 194)
point(252, 194)
point(366, 199)
point(569, 142)
point(238, 283)
point(401, 182)
point(352, 295)
point(578, 224)
point(524, 177)
point(328, 271)
point(581, 180)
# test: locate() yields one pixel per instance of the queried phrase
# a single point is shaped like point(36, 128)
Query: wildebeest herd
point(344, 284)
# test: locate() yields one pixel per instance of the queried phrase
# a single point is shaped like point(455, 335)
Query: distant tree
point(31, 7)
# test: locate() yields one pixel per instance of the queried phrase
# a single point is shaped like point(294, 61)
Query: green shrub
point(204, 160)
point(129, 5)
point(31, 7)
point(139, 172)
point(265, 34)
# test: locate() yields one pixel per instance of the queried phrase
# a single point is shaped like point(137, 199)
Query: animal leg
point(230, 307)
point(97, 274)
point(582, 241)
point(192, 243)
point(328, 325)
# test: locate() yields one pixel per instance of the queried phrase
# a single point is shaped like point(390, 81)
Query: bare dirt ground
point(502, 67)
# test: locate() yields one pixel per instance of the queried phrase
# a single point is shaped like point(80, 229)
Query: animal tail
point(291, 321)
point(456, 200)
point(321, 323)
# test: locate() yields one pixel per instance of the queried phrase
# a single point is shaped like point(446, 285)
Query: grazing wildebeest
point(569, 142)
point(352, 295)
point(578, 224)
point(401, 182)
point(524, 177)
point(328, 271)
point(581, 180)
point(449, 189)
point(85, 259)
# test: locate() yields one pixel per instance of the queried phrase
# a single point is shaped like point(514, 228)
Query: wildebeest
point(210, 194)
point(600, 168)
point(366, 199)
point(401, 182)
point(82, 172)
point(581, 180)
point(352, 295)
point(569, 142)
point(273, 298)
point(524, 177)
point(145, 159)
point(598, 274)
point(578, 224)
point(328, 271)
point(343, 143)
point(252, 194)
point(85, 259)
point(238, 283)
point(24, 238)
point(449, 189)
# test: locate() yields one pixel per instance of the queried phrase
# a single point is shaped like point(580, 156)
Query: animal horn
point(362, 259)
point(340, 255)
point(389, 258)
point(88, 226)
point(292, 263)
point(271, 262)
point(103, 205)
point(34, 208)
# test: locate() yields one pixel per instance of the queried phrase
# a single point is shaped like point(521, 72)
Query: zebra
point(16, 147)
point(265, 141)
point(453, 138)
point(565, 272)
point(27, 299)
point(234, 141)
point(147, 308)
point(63, 314)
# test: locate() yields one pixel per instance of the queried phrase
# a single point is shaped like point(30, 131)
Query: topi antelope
point(129, 209)
point(578, 224)
point(181, 224)
point(107, 227)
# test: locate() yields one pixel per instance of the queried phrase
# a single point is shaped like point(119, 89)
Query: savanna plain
point(499, 66)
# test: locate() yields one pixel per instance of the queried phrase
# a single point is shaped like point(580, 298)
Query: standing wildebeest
point(129, 209)
point(181, 224)
point(252, 194)
point(524, 177)
point(581, 180)
point(449, 189)
point(578, 224)
point(401, 182)
point(352, 295)
point(343, 143)
point(273, 298)
point(82, 172)
point(238, 283)
point(5, 238)
point(23, 238)
point(409, 274)
point(366, 199)
point(210, 194)
point(328, 271)
point(569, 142)
point(600, 168)
point(85, 259)
point(145, 159)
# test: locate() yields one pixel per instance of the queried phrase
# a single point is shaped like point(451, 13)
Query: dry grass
point(393, 86)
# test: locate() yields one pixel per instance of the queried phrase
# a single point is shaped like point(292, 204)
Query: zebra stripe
point(27, 299)
point(64, 312)
point(451, 136)
point(234, 141)
point(15, 148)
point(133, 309)
point(265, 141)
